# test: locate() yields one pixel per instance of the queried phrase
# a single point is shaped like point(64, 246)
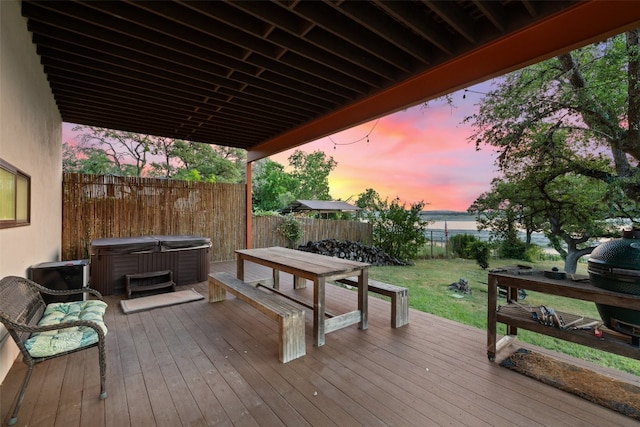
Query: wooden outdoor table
point(318, 269)
point(574, 286)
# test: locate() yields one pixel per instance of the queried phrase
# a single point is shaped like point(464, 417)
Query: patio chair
point(46, 331)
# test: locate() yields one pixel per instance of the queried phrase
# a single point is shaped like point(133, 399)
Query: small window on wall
point(15, 196)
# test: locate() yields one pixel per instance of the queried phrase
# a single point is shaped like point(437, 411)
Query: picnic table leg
point(492, 317)
point(363, 293)
point(318, 311)
point(299, 282)
point(240, 267)
point(276, 278)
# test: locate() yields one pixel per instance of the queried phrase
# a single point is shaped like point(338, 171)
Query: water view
point(463, 223)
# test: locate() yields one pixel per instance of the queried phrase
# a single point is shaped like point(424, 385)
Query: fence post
point(431, 239)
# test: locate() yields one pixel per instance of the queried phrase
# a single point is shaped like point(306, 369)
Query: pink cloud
point(419, 154)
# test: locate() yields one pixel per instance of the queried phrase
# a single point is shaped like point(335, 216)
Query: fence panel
point(265, 234)
point(96, 206)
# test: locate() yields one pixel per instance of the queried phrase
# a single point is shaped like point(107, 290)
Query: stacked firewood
point(354, 251)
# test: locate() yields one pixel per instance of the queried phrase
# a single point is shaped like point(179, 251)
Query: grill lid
point(621, 254)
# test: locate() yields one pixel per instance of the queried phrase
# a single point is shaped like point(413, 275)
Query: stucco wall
point(30, 140)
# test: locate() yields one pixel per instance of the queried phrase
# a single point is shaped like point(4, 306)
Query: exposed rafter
point(269, 75)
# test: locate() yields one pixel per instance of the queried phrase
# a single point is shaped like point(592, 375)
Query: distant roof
point(319, 206)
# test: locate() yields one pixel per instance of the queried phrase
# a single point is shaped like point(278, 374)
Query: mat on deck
point(608, 392)
point(159, 300)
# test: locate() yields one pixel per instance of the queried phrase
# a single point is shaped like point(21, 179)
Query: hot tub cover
point(127, 245)
point(178, 242)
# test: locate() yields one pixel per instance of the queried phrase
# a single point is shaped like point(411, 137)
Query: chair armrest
point(48, 291)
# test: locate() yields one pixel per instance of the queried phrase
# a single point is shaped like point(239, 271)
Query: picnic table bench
point(289, 317)
point(399, 298)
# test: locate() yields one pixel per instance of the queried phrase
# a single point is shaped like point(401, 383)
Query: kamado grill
point(615, 266)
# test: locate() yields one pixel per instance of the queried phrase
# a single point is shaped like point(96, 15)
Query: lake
point(458, 223)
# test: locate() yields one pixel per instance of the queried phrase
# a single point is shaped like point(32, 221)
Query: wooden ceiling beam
point(561, 32)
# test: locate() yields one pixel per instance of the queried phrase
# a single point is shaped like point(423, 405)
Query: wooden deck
point(201, 364)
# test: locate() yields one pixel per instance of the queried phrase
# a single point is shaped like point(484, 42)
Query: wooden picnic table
point(317, 268)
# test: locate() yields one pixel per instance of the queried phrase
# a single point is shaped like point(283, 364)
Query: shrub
point(461, 245)
point(512, 247)
point(480, 252)
point(398, 231)
point(262, 212)
point(534, 253)
point(290, 230)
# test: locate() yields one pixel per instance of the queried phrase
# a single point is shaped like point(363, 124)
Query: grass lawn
point(428, 280)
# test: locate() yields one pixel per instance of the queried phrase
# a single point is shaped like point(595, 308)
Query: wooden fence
point(265, 234)
point(96, 206)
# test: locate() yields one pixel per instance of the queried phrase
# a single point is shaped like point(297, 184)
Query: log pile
point(354, 251)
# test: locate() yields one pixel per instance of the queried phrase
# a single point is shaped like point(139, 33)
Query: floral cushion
point(49, 343)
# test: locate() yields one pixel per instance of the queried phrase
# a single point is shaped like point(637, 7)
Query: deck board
point(217, 364)
point(69, 412)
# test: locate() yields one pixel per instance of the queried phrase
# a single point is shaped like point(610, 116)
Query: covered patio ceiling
point(267, 76)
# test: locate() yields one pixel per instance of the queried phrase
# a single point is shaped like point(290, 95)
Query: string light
point(335, 144)
point(464, 95)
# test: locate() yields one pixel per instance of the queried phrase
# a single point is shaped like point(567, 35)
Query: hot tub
point(112, 258)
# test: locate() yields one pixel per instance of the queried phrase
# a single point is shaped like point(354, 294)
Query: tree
point(237, 156)
point(368, 201)
point(461, 245)
point(163, 166)
point(128, 151)
point(88, 161)
point(502, 210)
point(196, 159)
point(69, 158)
point(272, 187)
point(550, 203)
point(567, 131)
point(130, 154)
point(400, 232)
point(312, 171)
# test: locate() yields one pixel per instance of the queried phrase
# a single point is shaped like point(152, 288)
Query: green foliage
point(191, 175)
point(468, 246)
point(480, 251)
point(69, 158)
point(400, 232)
point(311, 171)
point(272, 187)
point(196, 161)
point(535, 253)
point(105, 151)
point(90, 161)
point(127, 151)
point(512, 247)
point(260, 212)
point(369, 200)
point(290, 229)
point(569, 164)
point(506, 207)
point(461, 245)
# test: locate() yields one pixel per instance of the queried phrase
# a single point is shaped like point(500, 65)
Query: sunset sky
point(419, 154)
